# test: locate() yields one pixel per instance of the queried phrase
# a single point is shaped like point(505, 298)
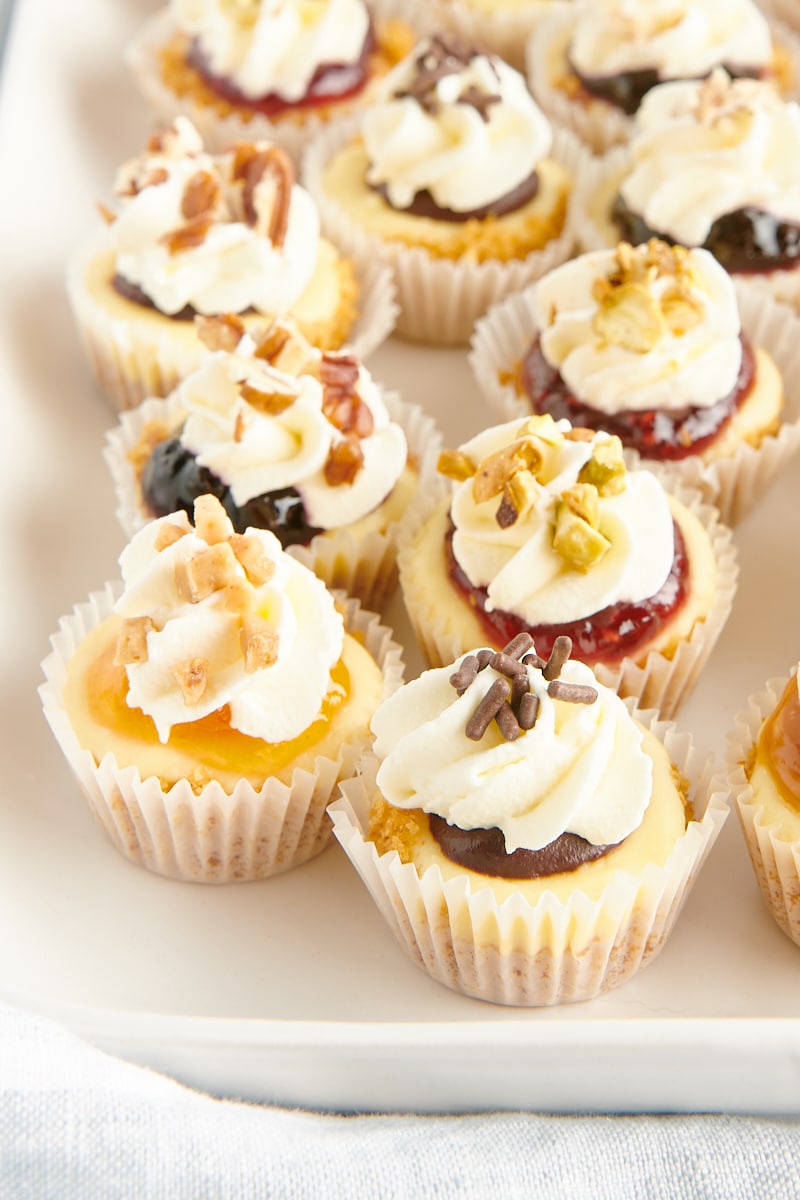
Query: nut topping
point(132, 641)
point(192, 679)
point(220, 333)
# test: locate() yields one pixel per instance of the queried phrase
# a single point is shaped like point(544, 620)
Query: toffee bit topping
point(454, 464)
point(251, 555)
point(211, 522)
point(488, 709)
point(259, 643)
point(192, 679)
point(205, 572)
point(575, 693)
point(132, 641)
point(562, 648)
point(167, 535)
point(220, 333)
point(509, 701)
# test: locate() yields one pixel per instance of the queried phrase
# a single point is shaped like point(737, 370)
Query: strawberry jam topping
point(330, 81)
point(652, 432)
point(606, 636)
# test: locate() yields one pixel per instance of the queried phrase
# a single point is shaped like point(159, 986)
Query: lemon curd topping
point(95, 697)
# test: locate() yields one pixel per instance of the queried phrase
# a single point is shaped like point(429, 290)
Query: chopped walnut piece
point(192, 679)
point(132, 641)
point(220, 333)
point(205, 572)
point(345, 459)
point(168, 534)
point(201, 196)
point(250, 553)
point(211, 522)
point(186, 237)
point(259, 643)
point(497, 469)
point(454, 464)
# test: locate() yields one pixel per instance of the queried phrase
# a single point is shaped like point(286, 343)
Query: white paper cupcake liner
point(131, 363)
point(440, 299)
point(776, 861)
point(736, 483)
point(600, 125)
point(551, 952)
point(500, 31)
point(220, 132)
point(363, 566)
point(658, 682)
point(211, 836)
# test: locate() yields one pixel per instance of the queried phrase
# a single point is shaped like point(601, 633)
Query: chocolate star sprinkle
point(444, 56)
point(479, 100)
point(509, 701)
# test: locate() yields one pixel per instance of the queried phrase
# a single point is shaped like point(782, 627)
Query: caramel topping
point(779, 742)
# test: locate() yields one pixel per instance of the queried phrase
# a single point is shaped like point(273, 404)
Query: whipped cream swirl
point(704, 149)
point(470, 137)
point(519, 564)
point(267, 47)
point(680, 39)
point(581, 769)
point(207, 231)
point(685, 348)
point(207, 637)
point(259, 429)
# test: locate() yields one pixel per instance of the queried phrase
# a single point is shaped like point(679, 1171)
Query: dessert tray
point(291, 990)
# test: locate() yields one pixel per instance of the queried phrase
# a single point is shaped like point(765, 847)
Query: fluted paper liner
point(219, 132)
point(776, 861)
point(132, 363)
point(657, 681)
point(598, 123)
point(736, 483)
point(598, 184)
point(551, 952)
point(364, 566)
point(211, 836)
point(501, 31)
point(440, 299)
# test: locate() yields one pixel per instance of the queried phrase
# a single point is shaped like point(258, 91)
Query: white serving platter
point(291, 990)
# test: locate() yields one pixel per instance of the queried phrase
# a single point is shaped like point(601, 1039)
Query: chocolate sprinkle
point(575, 693)
point(528, 710)
point(562, 648)
point(488, 709)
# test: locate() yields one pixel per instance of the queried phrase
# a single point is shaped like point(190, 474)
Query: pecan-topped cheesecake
point(273, 69)
point(514, 809)
point(292, 439)
point(543, 529)
point(453, 176)
point(210, 704)
point(200, 233)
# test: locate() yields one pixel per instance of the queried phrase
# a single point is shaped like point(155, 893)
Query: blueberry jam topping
point(628, 89)
point(653, 433)
point(747, 241)
point(172, 480)
point(606, 636)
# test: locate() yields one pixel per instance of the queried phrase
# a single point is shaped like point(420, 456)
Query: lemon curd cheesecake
point(209, 706)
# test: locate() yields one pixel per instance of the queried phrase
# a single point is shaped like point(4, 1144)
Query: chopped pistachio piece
point(583, 500)
point(575, 539)
point(629, 316)
point(605, 470)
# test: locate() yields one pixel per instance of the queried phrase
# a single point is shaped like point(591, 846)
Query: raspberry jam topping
point(606, 636)
point(330, 81)
point(747, 241)
point(172, 479)
point(652, 432)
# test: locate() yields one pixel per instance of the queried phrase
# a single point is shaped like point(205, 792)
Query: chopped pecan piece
point(345, 459)
point(192, 679)
point(132, 641)
point(220, 333)
point(201, 195)
point(187, 236)
point(250, 165)
point(271, 344)
point(269, 403)
point(341, 403)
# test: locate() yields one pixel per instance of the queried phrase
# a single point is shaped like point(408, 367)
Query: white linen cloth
point(77, 1124)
